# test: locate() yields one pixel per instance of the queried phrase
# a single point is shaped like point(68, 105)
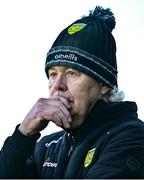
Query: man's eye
point(52, 74)
point(70, 73)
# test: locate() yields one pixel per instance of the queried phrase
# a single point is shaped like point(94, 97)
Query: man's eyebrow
point(51, 68)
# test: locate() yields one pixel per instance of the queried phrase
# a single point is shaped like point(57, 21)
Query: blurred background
point(27, 31)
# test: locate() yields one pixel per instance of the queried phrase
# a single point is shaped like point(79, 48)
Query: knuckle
point(40, 100)
point(41, 103)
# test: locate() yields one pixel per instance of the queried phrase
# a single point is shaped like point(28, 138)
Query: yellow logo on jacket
point(89, 157)
point(75, 28)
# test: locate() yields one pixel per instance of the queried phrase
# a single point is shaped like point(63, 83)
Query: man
point(102, 136)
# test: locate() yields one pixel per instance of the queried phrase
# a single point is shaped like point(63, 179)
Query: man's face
point(80, 90)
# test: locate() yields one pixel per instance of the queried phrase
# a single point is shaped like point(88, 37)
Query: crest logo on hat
point(89, 157)
point(76, 28)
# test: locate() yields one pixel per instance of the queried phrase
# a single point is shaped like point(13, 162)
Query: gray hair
point(114, 95)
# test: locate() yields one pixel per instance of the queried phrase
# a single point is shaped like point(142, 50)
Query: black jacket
point(109, 144)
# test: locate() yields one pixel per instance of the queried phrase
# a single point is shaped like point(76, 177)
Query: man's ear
point(104, 89)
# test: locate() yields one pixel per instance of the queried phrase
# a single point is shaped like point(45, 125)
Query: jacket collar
point(103, 113)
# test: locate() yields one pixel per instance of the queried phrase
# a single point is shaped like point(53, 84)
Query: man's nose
point(60, 83)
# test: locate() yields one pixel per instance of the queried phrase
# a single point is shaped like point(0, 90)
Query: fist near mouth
point(54, 108)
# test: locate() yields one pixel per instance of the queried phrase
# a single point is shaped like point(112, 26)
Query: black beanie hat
point(88, 46)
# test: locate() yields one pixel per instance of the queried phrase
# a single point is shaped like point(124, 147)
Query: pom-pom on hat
point(88, 46)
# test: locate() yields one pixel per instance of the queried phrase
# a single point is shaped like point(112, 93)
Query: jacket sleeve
point(14, 155)
point(122, 157)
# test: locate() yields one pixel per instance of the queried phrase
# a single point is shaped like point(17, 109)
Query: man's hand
point(55, 109)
